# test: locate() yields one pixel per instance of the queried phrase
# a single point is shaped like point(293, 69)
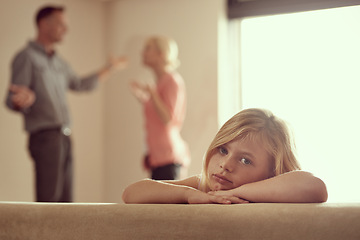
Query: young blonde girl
point(251, 159)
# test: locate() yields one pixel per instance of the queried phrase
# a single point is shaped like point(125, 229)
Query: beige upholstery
point(37, 221)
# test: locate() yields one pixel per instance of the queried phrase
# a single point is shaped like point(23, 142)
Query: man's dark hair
point(46, 11)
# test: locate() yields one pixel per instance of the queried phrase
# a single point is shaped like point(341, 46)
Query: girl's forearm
point(150, 191)
point(292, 187)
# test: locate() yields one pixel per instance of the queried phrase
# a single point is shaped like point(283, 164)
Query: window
point(305, 68)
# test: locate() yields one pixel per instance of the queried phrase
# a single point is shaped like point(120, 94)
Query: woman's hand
point(140, 91)
point(144, 92)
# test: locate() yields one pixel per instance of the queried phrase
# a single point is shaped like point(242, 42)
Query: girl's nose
point(226, 164)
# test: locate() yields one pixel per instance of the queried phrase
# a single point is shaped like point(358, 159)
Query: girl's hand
point(198, 197)
point(227, 195)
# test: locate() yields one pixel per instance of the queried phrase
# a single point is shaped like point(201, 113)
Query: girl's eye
point(223, 151)
point(245, 161)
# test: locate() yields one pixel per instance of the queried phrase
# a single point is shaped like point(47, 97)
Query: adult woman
point(164, 110)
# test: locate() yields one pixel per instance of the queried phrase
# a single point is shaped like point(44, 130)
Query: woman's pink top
point(164, 142)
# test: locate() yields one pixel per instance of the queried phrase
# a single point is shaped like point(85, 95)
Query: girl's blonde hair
point(260, 124)
point(169, 48)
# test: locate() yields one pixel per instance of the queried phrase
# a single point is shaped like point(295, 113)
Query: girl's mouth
point(221, 179)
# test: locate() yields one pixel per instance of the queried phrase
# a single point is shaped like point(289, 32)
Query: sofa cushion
point(179, 221)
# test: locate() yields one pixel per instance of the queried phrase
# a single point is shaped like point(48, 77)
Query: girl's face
point(238, 162)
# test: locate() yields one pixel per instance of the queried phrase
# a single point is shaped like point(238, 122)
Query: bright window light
point(305, 68)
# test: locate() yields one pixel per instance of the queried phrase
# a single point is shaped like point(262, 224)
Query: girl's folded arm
point(151, 191)
point(291, 187)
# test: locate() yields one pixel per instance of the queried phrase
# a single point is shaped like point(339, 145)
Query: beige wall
point(83, 47)
point(108, 125)
point(194, 26)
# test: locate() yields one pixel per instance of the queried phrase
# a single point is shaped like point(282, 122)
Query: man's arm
point(114, 64)
point(20, 97)
point(90, 82)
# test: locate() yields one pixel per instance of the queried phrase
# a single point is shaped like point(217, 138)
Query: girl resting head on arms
point(251, 159)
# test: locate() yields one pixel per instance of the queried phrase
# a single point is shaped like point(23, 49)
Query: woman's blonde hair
point(259, 124)
point(169, 48)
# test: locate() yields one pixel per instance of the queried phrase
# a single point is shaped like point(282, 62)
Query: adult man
point(39, 81)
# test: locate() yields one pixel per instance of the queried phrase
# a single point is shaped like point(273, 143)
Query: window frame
point(252, 8)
